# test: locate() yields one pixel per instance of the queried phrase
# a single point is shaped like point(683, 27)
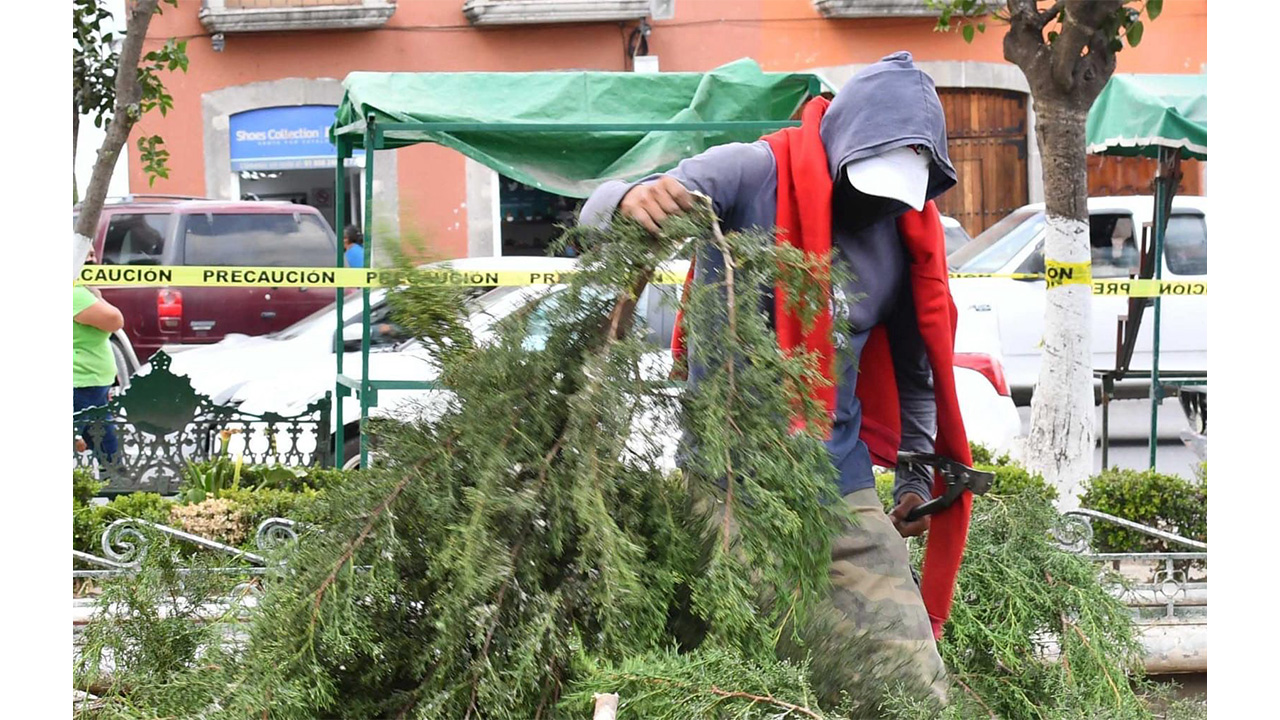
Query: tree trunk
point(1060, 444)
point(1065, 77)
point(75, 140)
point(127, 112)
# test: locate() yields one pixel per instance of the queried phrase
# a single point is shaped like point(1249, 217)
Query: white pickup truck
point(1014, 308)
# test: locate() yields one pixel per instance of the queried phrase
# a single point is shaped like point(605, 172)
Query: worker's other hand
point(899, 516)
point(652, 203)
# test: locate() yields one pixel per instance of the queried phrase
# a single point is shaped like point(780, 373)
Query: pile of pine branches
point(519, 551)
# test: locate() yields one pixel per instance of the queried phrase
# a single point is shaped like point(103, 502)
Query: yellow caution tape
point(1149, 288)
point(1015, 276)
point(182, 276)
point(187, 276)
point(1058, 274)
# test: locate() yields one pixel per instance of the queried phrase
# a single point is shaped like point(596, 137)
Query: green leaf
point(1154, 8)
point(982, 27)
point(967, 31)
point(1116, 45)
point(1052, 36)
point(1134, 34)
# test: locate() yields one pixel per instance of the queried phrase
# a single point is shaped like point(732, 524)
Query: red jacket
point(804, 220)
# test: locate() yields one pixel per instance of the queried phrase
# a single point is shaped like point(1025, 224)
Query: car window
point(1113, 246)
point(998, 244)
point(655, 311)
point(1186, 247)
point(1035, 261)
point(257, 239)
point(660, 304)
point(956, 238)
point(136, 239)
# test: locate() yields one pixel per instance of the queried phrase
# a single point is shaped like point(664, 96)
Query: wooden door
point(987, 142)
point(1113, 175)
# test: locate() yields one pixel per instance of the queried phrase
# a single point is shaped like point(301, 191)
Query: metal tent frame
point(370, 136)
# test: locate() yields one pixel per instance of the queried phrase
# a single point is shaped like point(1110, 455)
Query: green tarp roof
point(1138, 114)
point(573, 163)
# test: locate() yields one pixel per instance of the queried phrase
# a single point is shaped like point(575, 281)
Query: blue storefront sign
point(283, 138)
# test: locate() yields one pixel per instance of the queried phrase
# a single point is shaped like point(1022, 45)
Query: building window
point(532, 218)
point(519, 12)
point(283, 153)
point(877, 8)
point(239, 16)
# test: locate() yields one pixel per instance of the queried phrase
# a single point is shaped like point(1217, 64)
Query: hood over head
point(888, 105)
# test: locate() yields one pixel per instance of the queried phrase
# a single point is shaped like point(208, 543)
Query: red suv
point(158, 230)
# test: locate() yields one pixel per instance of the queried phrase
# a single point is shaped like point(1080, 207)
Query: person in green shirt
point(93, 365)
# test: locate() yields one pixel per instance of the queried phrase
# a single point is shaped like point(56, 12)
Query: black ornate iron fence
point(144, 438)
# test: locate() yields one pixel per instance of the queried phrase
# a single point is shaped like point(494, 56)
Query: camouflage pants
point(876, 596)
point(873, 632)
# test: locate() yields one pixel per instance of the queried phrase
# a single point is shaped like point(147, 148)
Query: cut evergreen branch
point(519, 534)
point(523, 548)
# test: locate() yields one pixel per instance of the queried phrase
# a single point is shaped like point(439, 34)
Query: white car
point(1014, 308)
point(955, 233)
point(286, 371)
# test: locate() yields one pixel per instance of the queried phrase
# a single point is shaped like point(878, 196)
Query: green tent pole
point(370, 145)
point(339, 219)
point(1163, 192)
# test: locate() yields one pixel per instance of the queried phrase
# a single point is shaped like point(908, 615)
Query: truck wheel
point(351, 454)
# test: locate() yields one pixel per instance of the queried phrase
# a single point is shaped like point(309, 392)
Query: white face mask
point(901, 174)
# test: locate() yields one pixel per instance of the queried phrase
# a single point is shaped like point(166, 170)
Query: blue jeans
point(107, 447)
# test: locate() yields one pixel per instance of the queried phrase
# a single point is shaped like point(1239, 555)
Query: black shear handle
point(958, 477)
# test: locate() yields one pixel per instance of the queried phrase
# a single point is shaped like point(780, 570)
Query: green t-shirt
point(93, 364)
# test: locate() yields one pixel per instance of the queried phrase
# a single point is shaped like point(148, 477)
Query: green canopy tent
point(562, 132)
point(567, 132)
point(1162, 117)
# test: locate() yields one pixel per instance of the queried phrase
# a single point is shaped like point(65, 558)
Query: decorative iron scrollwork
point(274, 532)
point(161, 423)
point(1073, 533)
point(125, 541)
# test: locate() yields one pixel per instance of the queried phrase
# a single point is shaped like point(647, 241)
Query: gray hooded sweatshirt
point(887, 105)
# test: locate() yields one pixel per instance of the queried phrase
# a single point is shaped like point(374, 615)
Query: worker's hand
point(652, 203)
point(899, 516)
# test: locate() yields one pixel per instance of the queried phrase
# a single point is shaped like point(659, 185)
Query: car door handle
point(268, 315)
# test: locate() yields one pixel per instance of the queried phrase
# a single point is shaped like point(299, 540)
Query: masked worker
point(859, 175)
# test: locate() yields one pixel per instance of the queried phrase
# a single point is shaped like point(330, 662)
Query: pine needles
point(523, 547)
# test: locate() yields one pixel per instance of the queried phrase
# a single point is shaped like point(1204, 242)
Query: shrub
point(90, 520)
point(84, 486)
point(217, 519)
point(1164, 502)
point(1013, 479)
point(279, 477)
point(981, 454)
point(262, 503)
point(265, 491)
point(884, 488)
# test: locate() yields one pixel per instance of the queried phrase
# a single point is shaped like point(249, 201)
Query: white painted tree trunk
point(1060, 444)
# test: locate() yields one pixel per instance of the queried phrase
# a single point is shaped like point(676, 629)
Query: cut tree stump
point(606, 706)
